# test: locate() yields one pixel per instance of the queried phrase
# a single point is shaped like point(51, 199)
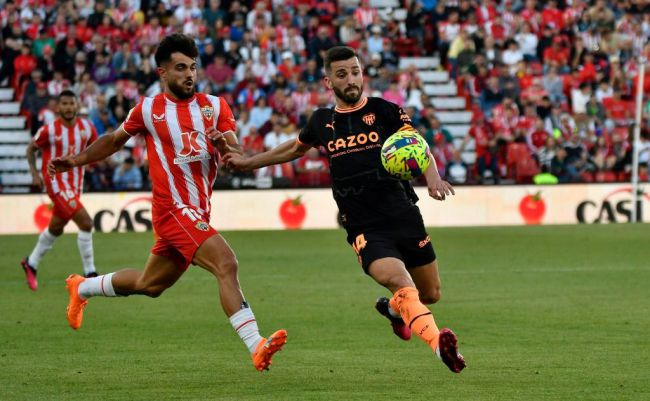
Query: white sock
point(245, 325)
point(100, 285)
point(393, 313)
point(85, 244)
point(44, 244)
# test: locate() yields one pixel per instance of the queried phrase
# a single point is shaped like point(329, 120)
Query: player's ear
point(328, 82)
point(161, 72)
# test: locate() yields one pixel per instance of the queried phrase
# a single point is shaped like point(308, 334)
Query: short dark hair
point(338, 53)
point(173, 43)
point(66, 93)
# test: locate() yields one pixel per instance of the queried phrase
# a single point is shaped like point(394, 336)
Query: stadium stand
point(564, 68)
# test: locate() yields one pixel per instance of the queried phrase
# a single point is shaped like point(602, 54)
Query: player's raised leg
point(45, 242)
point(392, 274)
point(159, 274)
point(427, 282)
point(216, 256)
point(85, 241)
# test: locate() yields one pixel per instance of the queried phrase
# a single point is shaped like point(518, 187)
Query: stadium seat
point(586, 176)
point(605, 176)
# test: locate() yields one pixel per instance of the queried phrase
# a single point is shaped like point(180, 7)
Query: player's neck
point(175, 99)
point(68, 123)
point(342, 106)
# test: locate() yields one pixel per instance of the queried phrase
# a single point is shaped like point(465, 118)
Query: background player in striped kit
point(67, 134)
point(185, 132)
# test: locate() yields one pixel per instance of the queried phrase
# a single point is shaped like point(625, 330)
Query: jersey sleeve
point(396, 118)
point(309, 133)
point(225, 120)
point(134, 123)
point(42, 137)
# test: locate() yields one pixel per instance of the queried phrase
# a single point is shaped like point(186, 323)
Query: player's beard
point(69, 116)
point(181, 91)
point(347, 96)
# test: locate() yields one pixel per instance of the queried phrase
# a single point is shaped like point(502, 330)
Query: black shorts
point(405, 239)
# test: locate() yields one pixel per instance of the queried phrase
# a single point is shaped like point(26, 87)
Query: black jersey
point(364, 192)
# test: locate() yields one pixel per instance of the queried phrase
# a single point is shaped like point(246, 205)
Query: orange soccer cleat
point(76, 305)
point(266, 348)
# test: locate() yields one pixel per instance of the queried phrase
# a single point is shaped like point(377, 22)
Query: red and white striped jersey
point(57, 140)
point(182, 161)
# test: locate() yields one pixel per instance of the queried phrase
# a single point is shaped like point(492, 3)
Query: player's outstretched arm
point(287, 151)
point(438, 188)
point(105, 146)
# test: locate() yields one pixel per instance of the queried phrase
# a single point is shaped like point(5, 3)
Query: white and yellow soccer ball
point(405, 154)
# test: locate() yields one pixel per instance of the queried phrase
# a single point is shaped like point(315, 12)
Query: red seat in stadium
point(587, 176)
point(605, 176)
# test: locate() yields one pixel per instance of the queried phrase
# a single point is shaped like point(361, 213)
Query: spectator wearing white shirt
point(512, 55)
point(527, 42)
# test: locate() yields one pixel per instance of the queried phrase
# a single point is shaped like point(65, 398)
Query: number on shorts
point(359, 243)
point(67, 195)
point(191, 214)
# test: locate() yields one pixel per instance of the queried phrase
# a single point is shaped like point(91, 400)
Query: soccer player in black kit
point(378, 211)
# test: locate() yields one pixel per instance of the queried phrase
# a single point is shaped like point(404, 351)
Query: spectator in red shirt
point(24, 64)
point(220, 74)
point(557, 55)
point(484, 146)
point(253, 143)
point(312, 169)
point(537, 139)
point(617, 110)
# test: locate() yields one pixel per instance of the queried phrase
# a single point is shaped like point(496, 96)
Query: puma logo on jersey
point(330, 126)
point(158, 118)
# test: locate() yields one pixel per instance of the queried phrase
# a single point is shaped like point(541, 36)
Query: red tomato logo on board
point(292, 213)
point(42, 215)
point(532, 208)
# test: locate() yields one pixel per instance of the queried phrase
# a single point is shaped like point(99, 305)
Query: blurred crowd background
point(550, 84)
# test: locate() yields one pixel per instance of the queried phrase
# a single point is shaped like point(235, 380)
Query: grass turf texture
point(542, 313)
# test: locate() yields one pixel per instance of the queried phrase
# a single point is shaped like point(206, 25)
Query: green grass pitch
point(542, 313)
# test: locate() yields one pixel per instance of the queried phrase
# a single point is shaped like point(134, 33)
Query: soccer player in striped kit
point(185, 132)
point(66, 134)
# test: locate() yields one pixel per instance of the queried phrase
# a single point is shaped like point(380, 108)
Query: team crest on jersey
point(202, 225)
point(207, 111)
point(73, 203)
point(369, 118)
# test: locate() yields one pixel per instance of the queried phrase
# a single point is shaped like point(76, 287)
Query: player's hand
point(215, 135)
point(439, 189)
point(236, 161)
point(37, 183)
point(60, 164)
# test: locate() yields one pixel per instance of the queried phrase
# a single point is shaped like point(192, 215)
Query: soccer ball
point(405, 154)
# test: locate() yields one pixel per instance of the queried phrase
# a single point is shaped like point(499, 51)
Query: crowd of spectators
point(551, 83)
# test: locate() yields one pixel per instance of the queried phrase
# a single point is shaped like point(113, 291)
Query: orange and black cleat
point(266, 348)
point(76, 304)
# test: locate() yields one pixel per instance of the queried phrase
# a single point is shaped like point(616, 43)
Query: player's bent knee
point(430, 296)
point(227, 267)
